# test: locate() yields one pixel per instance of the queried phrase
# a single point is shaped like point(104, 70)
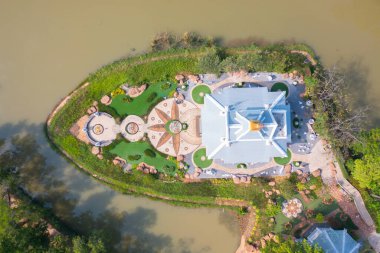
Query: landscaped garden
point(284, 160)
point(125, 105)
point(199, 92)
point(142, 151)
point(200, 159)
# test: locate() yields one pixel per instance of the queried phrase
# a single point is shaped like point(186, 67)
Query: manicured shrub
point(151, 97)
point(150, 153)
point(165, 86)
point(210, 63)
point(134, 157)
point(127, 99)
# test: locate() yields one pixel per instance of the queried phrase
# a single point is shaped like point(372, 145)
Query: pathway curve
point(234, 79)
point(250, 171)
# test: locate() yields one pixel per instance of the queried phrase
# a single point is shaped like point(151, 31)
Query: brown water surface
point(48, 47)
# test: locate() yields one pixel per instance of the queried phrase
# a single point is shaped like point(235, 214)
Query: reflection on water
point(47, 48)
point(129, 223)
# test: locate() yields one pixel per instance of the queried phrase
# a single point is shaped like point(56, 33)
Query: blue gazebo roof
point(333, 241)
point(227, 117)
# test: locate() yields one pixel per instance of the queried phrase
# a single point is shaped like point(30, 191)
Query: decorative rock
point(180, 158)
point(243, 179)
point(179, 77)
point(263, 243)
point(307, 192)
point(197, 169)
point(278, 192)
point(271, 235)
point(175, 94)
point(106, 100)
point(100, 156)
point(266, 238)
point(299, 172)
point(187, 175)
point(316, 173)
point(236, 180)
point(181, 165)
point(304, 180)
point(272, 219)
point(288, 169)
point(95, 103)
point(272, 183)
point(313, 187)
point(270, 193)
point(95, 150)
point(196, 174)
point(193, 78)
point(146, 170)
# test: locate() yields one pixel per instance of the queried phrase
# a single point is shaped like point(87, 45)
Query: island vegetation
point(336, 121)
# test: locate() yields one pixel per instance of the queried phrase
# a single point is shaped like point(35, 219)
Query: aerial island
point(250, 128)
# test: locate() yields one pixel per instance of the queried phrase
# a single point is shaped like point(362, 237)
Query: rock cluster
point(241, 179)
point(146, 169)
point(93, 108)
point(137, 90)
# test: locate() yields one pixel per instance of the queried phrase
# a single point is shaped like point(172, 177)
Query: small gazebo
point(292, 208)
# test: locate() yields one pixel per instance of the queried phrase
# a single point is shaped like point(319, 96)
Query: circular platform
point(101, 129)
point(133, 128)
point(167, 125)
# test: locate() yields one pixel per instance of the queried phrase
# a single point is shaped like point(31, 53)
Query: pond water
point(48, 47)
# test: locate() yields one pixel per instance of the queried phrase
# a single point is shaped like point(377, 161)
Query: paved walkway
point(250, 171)
point(321, 158)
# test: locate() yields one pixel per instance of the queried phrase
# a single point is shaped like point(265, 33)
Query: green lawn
point(125, 149)
point(197, 158)
point(141, 104)
point(280, 87)
point(199, 92)
point(284, 160)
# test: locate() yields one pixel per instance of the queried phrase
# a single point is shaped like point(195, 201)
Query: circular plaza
point(172, 127)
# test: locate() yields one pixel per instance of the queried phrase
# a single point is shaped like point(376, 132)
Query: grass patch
point(200, 159)
point(130, 150)
point(284, 160)
point(199, 92)
point(142, 104)
point(280, 87)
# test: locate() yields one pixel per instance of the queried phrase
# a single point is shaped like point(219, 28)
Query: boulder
point(272, 183)
point(179, 77)
point(106, 100)
point(316, 173)
point(180, 158)
point(95, 150)
point(288, 169)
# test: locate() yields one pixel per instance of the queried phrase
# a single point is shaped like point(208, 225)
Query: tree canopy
point(291, 246)
point(366, 163)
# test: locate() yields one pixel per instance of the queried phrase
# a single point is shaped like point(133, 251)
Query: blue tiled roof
point(226, 116)
point(333, 241)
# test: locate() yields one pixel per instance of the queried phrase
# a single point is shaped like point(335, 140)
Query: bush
point(150, 153)
point(151, 97)
point(134, 157)
point(210, 63)
point(319, 217)
point(127, 99)
point(117, 91)
point(165, 86)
